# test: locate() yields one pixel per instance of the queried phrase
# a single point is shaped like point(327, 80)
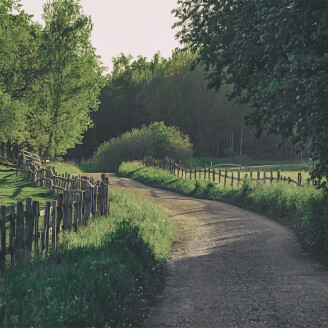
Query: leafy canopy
point(274, 53)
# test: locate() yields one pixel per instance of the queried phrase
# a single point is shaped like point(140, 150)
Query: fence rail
point(217, 175)
point(26, 231)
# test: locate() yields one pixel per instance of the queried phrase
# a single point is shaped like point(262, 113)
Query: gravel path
point(232, 268)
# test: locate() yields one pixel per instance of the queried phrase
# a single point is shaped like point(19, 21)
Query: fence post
point(195, 174)
point(54, 225)
point(70, 209)
point(271, 176)
point(238, 177)
point(20, 232)
point(264, 176)
point(12, 236)
point(232, 179)
point(3, 237)
point(36, 214)
point(225, 177)
point(205, 168)
point(251, 175)
point(47, 221)
point(219, 176)
point(214, 175)
point(278, 175)
point(299, 179)
point(258, 174)
point(29, 223)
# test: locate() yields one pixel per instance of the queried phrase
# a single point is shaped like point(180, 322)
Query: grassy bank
point(306, 208)
point(14, 188)
point(103, 276)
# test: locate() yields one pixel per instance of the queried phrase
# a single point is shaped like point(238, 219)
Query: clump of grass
point(305, 208)
point(103, 276)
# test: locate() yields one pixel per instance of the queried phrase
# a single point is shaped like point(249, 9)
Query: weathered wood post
point(3, 237)
point(12, 236)
point(225, 177)
point(205, 171)
point(271, 176)
point(220, 176)
point(232, 179)
point(238, 177)
point(214, 175)
point(36, 214)
point(54, 225)
point(299, 179)
point(20, 232)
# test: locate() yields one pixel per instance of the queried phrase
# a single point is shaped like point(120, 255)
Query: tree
point(274, 54)
point(69, 88)
point(18, 69)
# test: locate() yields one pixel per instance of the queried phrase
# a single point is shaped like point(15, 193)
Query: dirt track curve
point(232, 268)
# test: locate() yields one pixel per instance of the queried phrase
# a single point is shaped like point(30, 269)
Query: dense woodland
point(141, 91)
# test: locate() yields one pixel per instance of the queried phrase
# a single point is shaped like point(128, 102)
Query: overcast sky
point(137, 27)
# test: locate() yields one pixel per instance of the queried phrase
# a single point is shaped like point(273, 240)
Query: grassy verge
point(74, 168)
point(14, 188)
point(306, 208)
point(103, 276)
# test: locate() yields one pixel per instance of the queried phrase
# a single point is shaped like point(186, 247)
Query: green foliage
point(106, 275)
point(71, 82)
point(305, 208)
point(274, 55)
point(50, 77)
point(141, 91)
point(157, 140)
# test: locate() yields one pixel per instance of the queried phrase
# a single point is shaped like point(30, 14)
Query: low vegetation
point(103, 276)
point(244, 160)
point(305, 208)
point(155, 140)
point(14, 188)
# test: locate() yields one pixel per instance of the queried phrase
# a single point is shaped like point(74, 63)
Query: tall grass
point(305, 208)
point(104, 276)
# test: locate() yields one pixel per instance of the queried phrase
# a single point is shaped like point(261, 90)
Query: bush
point(157, 140)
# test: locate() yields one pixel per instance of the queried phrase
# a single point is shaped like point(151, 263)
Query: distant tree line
point(50, 77)
point(141, 91)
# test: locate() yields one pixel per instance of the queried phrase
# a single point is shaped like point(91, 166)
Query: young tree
point(274, 53)
point(69, 88)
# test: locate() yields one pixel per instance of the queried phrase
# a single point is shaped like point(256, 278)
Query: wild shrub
point(157, 140)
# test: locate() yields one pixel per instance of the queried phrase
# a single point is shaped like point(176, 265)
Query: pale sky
point(137, 27)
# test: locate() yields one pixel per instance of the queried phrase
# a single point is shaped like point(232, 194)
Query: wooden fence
point(217, 175)
point(79, 199)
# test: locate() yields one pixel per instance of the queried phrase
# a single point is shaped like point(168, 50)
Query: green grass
point(243, 160)
point(14, 188)
point(74, 168)
point(103, 276)
point(305, 208)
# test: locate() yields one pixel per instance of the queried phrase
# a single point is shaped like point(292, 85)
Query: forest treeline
point(140, 92)
point(50, 77)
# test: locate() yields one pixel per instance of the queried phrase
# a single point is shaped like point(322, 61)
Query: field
point(251, 164)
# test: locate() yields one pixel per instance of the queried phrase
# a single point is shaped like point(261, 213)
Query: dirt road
point(233, 268)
